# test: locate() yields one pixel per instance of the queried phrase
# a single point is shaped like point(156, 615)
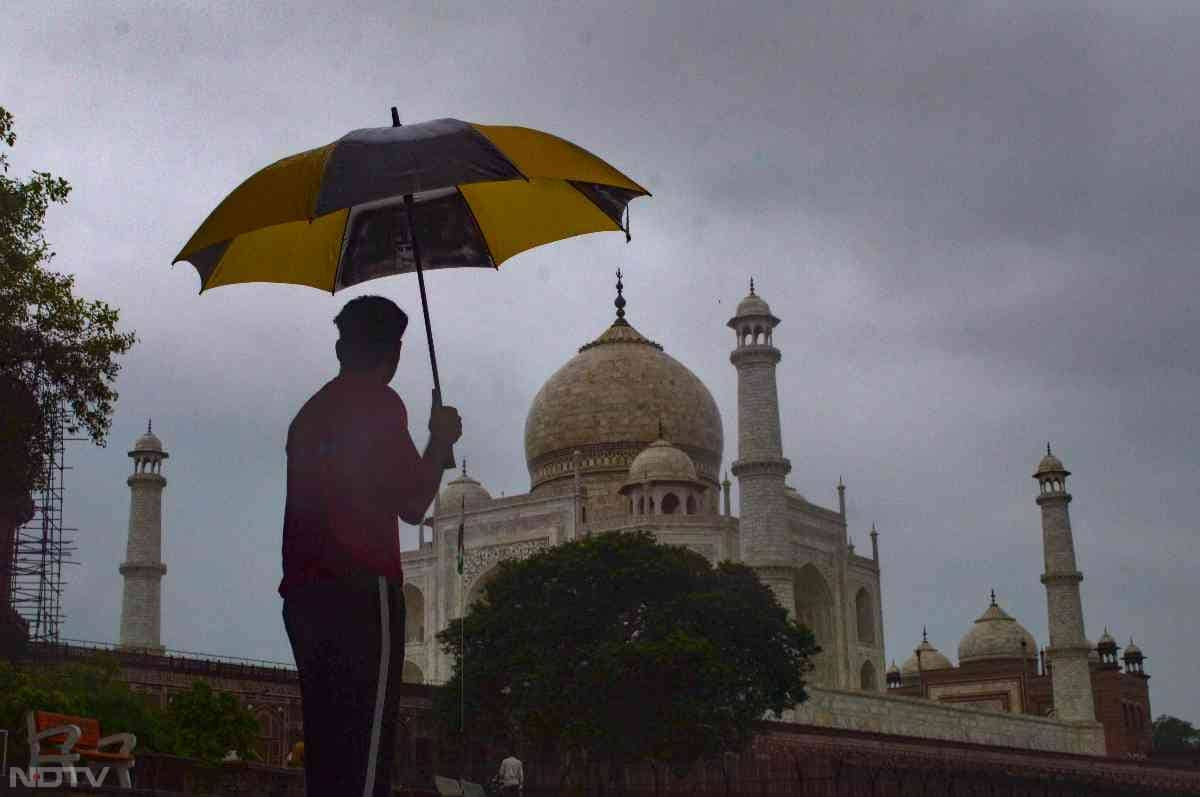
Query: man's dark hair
point(369, 329)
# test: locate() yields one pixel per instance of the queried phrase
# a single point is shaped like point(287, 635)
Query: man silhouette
point(352, 469)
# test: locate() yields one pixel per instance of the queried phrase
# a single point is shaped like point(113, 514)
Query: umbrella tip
point(620, 300)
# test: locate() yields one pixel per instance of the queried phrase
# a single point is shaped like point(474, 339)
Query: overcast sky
point(977, 221)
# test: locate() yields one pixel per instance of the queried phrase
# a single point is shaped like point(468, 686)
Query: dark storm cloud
point(977, 221)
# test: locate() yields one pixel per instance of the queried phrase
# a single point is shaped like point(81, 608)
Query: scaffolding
point(43, 545)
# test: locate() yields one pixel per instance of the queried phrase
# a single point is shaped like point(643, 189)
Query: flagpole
point(462, 629)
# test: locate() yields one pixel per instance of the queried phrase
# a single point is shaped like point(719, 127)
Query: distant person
point(512, 776)
point(352, 469)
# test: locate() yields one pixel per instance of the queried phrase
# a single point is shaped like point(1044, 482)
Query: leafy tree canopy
point(206, 724)
point(198, 723)
point(91, 689)
point(1173, 735)
point(45, 329)
point(618, 649)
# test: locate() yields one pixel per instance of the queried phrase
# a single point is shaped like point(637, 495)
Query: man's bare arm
point(445, 427)
point(435, 459)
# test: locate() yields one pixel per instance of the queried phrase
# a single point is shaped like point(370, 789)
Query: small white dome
point(753, 305)
point(661, 461)
point(1050, 464)
point(463, 492)
point(931, 659)
point(996, 635)
point(148, 443)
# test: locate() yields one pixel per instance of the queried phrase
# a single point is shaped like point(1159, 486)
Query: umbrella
point(390, 200)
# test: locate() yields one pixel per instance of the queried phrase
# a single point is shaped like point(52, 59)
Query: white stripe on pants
point(381, 689)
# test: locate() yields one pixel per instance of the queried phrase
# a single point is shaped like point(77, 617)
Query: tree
point(1173, 735)
point(198, 723)
point(616, 649)
point(92, 689)
point(47, 334)
point(205, 724)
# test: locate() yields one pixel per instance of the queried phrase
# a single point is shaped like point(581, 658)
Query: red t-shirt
point(351, 466)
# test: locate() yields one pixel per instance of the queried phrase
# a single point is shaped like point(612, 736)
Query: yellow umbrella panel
point(336, 216)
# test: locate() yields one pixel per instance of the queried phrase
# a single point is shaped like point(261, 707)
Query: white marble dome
point(753, 305)
point(148, 442)
point(462, 492)
point(996, 635)
point(609, 401)
point(1050, 464)
point(661, 461)
point(931, 659)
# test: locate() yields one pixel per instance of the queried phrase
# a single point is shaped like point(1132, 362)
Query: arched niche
point(412, 673)
point(670, 504)
point(414, 615)
point(815, 609)
point(864, 610)
point(867, 679)
point(475, 593)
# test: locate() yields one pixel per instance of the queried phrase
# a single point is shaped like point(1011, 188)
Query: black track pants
point(348, 640)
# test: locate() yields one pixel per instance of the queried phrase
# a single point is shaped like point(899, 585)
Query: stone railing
point(174, 774)
point(660, 521)
point(912, 716)
point(173, 660)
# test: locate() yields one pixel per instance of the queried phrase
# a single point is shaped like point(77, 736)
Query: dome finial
point(993, 597)
point(752, 286)
point(661, 434)
point(1048, 449)
point(924, 634)
point(620, 300)
point(149, 425)
point(464, 467)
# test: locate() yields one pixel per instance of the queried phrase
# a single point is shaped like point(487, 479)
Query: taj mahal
point(624, 436)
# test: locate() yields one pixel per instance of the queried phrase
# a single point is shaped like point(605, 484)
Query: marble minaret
point(761, 467)
point(143, 568)
point(1068, 651)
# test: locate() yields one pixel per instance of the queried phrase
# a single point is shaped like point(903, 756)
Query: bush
point(199, 723)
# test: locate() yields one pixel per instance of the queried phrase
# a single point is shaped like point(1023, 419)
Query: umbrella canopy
point(476, 195)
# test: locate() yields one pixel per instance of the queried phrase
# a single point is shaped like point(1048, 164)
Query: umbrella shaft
point(416, 254)
point(416, 251)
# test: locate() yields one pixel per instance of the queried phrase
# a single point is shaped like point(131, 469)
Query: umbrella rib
point(492, 145)
point(597, 207)
point(337, 272)
point(478, 228)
